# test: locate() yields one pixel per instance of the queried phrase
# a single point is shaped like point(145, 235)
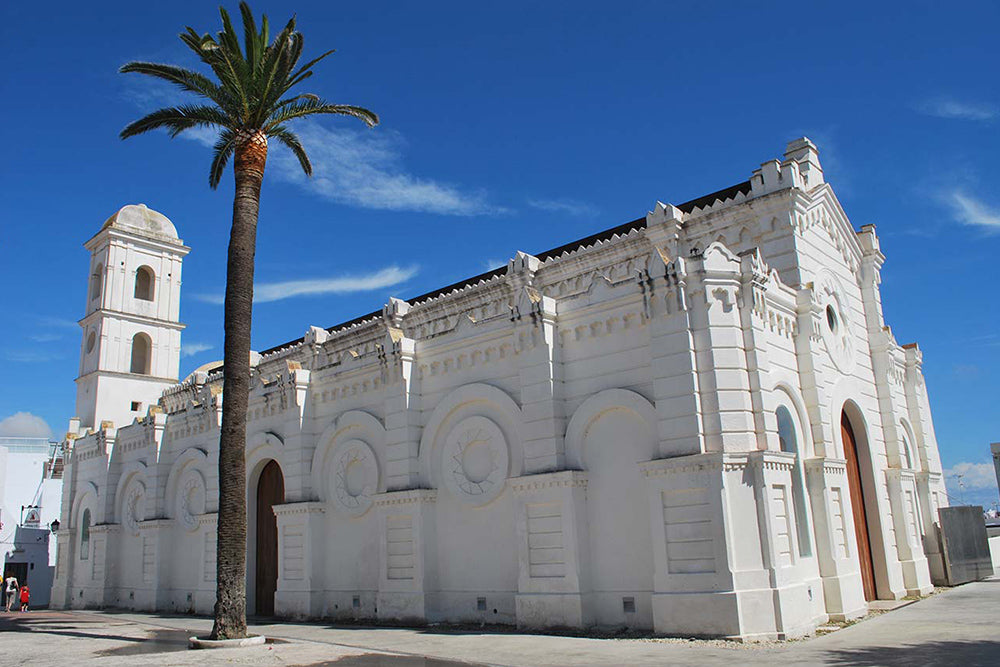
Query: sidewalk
point(956, 627)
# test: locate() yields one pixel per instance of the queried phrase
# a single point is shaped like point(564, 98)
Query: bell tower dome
point(131, 330)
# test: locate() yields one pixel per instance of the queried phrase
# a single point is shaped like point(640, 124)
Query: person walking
point(25, 596)
point(10, 588)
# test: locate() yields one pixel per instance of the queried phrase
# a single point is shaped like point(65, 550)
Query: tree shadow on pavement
point(983, 653)
point(381, 660)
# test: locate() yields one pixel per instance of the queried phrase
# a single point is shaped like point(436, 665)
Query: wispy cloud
point(945, 107)
point(58, 322)
point(29, 356)
point(971, 476)
point(266, 292)
point(365, 169)
point(191, 349)
point(353, 167)
point(570, 206)
point(968, 210)
point(45, 337)
point(25, 425)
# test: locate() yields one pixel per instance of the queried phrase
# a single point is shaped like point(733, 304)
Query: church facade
point(695, 423)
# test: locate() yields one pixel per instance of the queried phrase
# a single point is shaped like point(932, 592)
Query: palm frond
point(222, 151)
point(312, 107)
point(289, 139)
point(186, 79)
point(177, 119)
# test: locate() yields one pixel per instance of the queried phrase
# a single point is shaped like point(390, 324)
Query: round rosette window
point(355, 477)
point(190, 500)
point(475, 460)
point(835, 321)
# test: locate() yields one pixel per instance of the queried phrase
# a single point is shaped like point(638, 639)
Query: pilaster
point(902, 489)
point(551, 519)
point(407, 554)
point(843, 591)
point(402, 400)
point(300, 539)
point(156, 543)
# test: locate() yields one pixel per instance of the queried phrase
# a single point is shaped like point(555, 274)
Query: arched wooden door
point(858, 505)
point(270, 492)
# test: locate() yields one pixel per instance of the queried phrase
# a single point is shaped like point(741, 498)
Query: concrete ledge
point(204, 642)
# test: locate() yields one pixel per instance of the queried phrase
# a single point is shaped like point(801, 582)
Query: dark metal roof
point(607, 234)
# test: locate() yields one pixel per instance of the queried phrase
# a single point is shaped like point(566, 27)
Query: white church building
point(694, 423)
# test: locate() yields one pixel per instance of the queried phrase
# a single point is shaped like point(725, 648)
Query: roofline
point(638, 223)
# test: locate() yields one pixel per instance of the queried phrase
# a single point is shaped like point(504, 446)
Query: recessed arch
point(142, 354)
point(352, 425)
point(592, 408)
point(862, 490)
point(471, 399)
point(96, 282)
point(145, 283)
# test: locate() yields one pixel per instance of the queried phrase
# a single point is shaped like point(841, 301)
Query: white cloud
point(265, 292)
point(971, 211)
point(58, 322)
point(570, 206)
point(191, 349)
point(944, 107)
point(44, 337)
point(365, 169)
point(354, 167)
point(971, 476)
point(25, 425)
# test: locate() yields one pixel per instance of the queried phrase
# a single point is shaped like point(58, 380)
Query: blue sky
point(510, 126)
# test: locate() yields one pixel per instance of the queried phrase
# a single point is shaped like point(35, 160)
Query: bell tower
point(131, 342)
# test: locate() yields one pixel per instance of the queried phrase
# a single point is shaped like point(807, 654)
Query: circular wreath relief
point(355, 477)
point(835, 322)
point(190, 500)
point(475, 460)
point(135, 507)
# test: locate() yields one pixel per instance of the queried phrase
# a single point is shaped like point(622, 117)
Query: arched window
point(141, 353)
point(96, 281)
point(85, 536)
point(907, 458)
point(144, 279)
point(788, 437)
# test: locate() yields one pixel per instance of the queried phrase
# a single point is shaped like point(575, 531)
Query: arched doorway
point(858, 504)
point(270, 492)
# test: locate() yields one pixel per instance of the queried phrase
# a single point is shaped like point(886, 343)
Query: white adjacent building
point(694, 423)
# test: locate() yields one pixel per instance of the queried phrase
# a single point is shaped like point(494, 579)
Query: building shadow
point(981, 653)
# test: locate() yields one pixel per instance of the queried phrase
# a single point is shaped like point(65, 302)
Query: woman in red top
point(25, 596)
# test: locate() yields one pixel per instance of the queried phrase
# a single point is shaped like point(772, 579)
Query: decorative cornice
point(153, 524)
point(826, 465)
point(307, 507)
point(549, 480)
point(771, 460)
point(405, 497)
point(208, 519)
point(106, 528)
point(706, 462)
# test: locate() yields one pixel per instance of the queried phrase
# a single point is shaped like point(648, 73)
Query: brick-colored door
point(270, 492)
point(858, 505)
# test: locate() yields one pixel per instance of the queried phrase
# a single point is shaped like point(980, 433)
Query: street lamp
point(54, 526)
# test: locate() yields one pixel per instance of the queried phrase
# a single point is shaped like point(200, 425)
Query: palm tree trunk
point(230, 603)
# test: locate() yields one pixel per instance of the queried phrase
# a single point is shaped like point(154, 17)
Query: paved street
point(956, 627)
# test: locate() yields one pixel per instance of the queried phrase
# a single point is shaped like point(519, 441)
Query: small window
point(356, 602)
point(480, 604)
point(628, 605)
point(136, 406)
point(144, 279)
point(91, 342)
point(141, 354)
point(907, 456)
point(831, 318)
point(85, 536)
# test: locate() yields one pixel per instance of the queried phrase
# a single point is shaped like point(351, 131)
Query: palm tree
point(248, 102)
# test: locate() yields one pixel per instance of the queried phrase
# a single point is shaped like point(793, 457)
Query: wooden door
point(858, 505)
point(270, 492)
